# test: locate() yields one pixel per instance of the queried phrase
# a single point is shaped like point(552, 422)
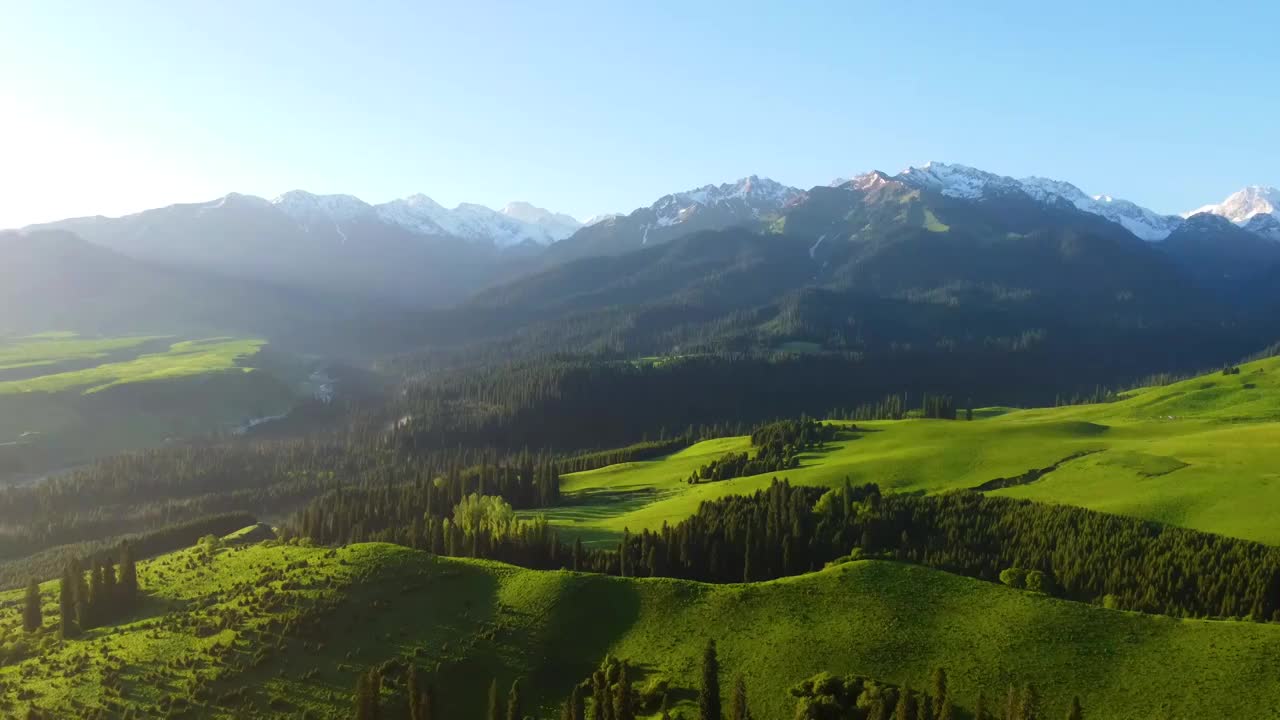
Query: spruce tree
point(495, 712)
point(1012, 708)
point(579, 699)
point(1029, 707)
point(622, 707)
point(67, 603)
point(709, 694)
point(599, 695)
point(31, 617)
point(980, 711)
point(415, 694)
point(375, 694)
point(366, 699)
point(939, 681)
point(514, 702)
point(95, 595)
point(906, 709)
point(947, 711)
point(84, 612)
point(1075, 713)
point(738, 708)
point(128, 585)
point(110, 599)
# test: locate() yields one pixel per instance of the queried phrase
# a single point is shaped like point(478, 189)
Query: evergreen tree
point(738, 708)
point(429, 702)
point(84, 613)
point(415, 694)
point(906, 709)
point(67, 603)
point(1075, 713)
point(366, 697)
point(709, 694)
point(128, 585)
point(495, 712)
point(1029, 706)
point(375, 694)
point(622, 702)
point(1012, 707)
point(95, 595)
point(514, 702)
point(980, 711)
point(31, 617)
point(599, 695)
point(579, 699)
point(939, 682)
point(110, 600)
point(947, 711)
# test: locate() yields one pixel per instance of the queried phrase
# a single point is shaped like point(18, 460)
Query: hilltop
point(273, 630)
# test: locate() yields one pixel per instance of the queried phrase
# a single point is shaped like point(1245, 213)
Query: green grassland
point(1203, 453)
point(468, 622)
point(79, 398)
point(50, 348)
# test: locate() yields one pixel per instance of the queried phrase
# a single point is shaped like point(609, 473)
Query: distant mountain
point(1220, 254)
point(1265, 224)
point(751, 202)
point(966, 182)
point(411, 251)
point(557, 225)
point(1243, 205)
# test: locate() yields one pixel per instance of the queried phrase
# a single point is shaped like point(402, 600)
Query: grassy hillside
point(65, 399)
point(467, 622)
point(1203, 453)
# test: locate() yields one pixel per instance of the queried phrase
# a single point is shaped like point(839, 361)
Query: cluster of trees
point(609, 693)
point(777, 447)
point(939, 407)
point(84, 604)
point(784, 530)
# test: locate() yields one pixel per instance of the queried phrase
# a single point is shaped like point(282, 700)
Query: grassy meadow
point(276, 630)
point(65, 399)
point(1203, 453)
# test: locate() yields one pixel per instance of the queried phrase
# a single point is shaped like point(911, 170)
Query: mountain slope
point(55, 280)
point(1240, 206)
point(748, 203)
point(487, 621)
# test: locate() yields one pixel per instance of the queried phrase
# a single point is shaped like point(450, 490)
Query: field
point(468, 622)
point(65, 399)
point(1203, 453)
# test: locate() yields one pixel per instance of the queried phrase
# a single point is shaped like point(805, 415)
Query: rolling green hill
point(65, 399)
point(304, 621)
point(1202, 453)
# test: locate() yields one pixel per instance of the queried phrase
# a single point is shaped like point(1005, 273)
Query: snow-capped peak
point(970, 183)
point(1245, 204)
point(752, 195)
point(420, 214)
point(306, 207)
point(557, 225)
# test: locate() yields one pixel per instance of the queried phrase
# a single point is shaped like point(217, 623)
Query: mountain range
point(748, 264)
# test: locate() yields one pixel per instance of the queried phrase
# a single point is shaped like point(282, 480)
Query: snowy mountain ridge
point(970, 183)
point(518, 223)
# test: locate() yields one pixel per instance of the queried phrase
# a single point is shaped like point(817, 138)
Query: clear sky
point(604, 105)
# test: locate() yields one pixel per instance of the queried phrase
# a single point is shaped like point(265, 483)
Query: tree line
point(610, 693)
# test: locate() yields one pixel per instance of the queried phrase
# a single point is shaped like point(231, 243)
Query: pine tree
point(980, 711)
point(947, 711)
point(939, 681)
point(1012, 708)
point(415, 694)
point(906, 709)
point(67, 603)
point(622, 707)
point(514, 702)
point(375, 694)
point(495, 713)
point(110, 599)
point(366, 698)
point(599, 695)
point(1075, 713)
point(84, 612)
point(579, 703)
point(738, 708)
point(128, 585)
point(1029, 707)
point(95, 595)
point(31, 617)
point(429, 702)
point(709, 694)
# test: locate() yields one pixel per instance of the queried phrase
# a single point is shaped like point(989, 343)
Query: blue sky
point(590, 107)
